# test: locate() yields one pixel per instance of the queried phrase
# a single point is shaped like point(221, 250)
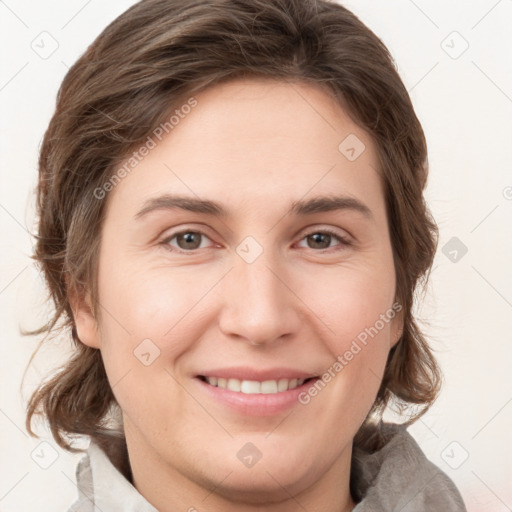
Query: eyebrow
point(300, 208)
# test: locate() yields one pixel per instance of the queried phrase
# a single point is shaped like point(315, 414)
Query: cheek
point(146, 319)
point(150, 302)
point(147, 329)
point(357, 306)
point(350, 301)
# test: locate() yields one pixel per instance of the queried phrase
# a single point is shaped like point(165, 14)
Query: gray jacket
point(396, 478)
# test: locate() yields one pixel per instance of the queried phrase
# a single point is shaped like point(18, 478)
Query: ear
point(83, 316)
point(397, 325)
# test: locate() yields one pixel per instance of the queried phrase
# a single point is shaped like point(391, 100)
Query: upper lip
point(248, 373)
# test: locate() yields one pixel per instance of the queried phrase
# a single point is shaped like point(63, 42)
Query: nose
point(259, 305)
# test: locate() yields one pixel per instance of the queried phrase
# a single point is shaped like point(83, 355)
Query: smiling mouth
point(251, 387)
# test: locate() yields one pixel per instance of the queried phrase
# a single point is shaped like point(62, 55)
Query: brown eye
point(319, 240)
point(189, 240)
point(186, 240)
point(324, 240)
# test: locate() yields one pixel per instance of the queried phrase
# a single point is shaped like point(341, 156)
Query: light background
point(463, 98)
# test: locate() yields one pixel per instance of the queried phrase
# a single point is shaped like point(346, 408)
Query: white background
point(464, 101)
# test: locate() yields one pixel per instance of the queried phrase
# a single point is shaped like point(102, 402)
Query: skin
point(254, 146)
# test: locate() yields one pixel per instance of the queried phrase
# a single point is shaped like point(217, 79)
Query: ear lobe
point(396, 338)
point(83, 316)
point(397, 328)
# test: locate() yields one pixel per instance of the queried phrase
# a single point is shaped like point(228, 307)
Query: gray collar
point(398, 477)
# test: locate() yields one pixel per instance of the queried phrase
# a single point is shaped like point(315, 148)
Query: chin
point(260, 487)
point(269, 480)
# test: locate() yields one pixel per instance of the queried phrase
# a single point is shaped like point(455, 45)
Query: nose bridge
point(258, 306)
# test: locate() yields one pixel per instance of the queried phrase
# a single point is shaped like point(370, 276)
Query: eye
point(190, 240)
point(186, 241)
point(322, 239)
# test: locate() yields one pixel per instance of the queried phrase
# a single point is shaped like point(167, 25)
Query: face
point(247, 293)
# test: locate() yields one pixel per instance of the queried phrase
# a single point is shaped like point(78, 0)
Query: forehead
point(257, 140)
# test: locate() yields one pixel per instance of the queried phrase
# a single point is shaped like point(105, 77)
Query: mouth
point(253, 387)
point(268, 397)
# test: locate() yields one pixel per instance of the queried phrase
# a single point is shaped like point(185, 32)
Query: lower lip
point(256, 404)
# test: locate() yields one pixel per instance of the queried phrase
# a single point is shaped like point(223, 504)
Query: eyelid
point(326, 229)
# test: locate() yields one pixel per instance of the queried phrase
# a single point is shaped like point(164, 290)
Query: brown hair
point(161, 51)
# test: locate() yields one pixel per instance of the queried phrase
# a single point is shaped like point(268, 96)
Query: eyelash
point(344, 242)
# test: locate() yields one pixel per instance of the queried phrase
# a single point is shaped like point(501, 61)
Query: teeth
point(269, 386)
point(252, 386)
point(282, 385)
point(234, 385)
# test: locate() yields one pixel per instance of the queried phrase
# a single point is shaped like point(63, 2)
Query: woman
point(232, 226)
